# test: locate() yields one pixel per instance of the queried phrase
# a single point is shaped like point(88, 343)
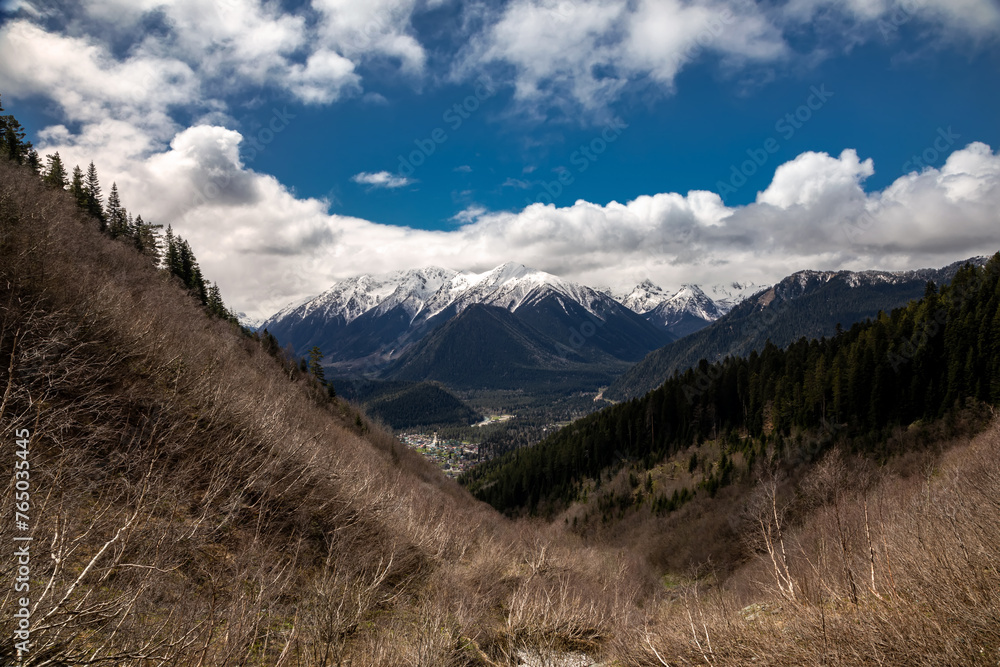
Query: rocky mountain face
point(374, 323)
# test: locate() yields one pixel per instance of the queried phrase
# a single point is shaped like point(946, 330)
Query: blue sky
point(296, 144)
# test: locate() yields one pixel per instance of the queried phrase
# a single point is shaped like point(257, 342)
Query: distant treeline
point(919, 363)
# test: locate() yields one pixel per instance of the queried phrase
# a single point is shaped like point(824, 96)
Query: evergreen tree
point(32, 160)
point(116, 215)
point(55, 173)
point(315, 367)
point(12, 143)
point(95, 203)
point(171, 256)
point(147, 239)
point(78, 189)
point(920, 363)
point(216, 306)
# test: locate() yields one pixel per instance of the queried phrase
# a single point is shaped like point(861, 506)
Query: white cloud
point(814, 176)
point(266, 247)
point(324, 78)
point(372, 28)
point(90, 85)
point(583, 54)
point(381, 179)
point(469, 214)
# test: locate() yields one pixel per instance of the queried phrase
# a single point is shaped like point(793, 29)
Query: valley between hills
point(799, 473)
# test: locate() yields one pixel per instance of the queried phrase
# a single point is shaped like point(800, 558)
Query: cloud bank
point(120, 73)
point(266, 247)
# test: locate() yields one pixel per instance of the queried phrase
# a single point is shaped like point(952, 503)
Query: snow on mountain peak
point(645, 297)
point(423, 293)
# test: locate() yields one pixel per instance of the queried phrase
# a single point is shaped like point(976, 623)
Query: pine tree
point(12, 142)
point(78, 189)
point(116, 215)
point(216, 306)
point(147, 239)
point(95, 203)
point(198, 282)
point(171, 257)
point(55, 173)
point(315, 367)
point(32, 160)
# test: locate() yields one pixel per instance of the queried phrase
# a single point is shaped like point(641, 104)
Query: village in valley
point(453, 456)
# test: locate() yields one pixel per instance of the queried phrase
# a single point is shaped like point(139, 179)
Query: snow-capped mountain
point(690, 308)
point(645, 297)
point(369, 320)
point(806, 304)
point(687, 311)
point(252, 323)
point(728, 295)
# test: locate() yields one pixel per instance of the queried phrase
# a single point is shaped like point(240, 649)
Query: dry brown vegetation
point(195, 503)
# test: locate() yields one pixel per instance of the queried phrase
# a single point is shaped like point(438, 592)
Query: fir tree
point(315, 367)
point(147, 239)
point(95, 203)
point(32, 160)
point(55, 173)
point(12, 143)
point(78, 189)
point(116, 215)
point(171, 257)
point(216, 306)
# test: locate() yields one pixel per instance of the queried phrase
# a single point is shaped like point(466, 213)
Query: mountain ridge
point(807, 303)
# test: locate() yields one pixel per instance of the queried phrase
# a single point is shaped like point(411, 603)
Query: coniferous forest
point(918, 363)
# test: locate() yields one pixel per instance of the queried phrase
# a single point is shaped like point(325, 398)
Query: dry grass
point(891, 571)
point(194, 502)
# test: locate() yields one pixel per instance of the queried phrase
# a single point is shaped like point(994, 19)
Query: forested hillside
point(407, 404)
point(808, 304)
point(919, 363)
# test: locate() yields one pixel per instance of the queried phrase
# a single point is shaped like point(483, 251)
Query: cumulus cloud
point(583, 54)
point(372, 28)
point(89, 84)
point(266, 247)
point(381, 179)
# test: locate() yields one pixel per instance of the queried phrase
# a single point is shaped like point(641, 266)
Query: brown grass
point(194, 502)
point(892, 571)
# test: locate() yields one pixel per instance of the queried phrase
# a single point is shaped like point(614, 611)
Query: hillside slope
point(194, 501)
point(809, 303)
